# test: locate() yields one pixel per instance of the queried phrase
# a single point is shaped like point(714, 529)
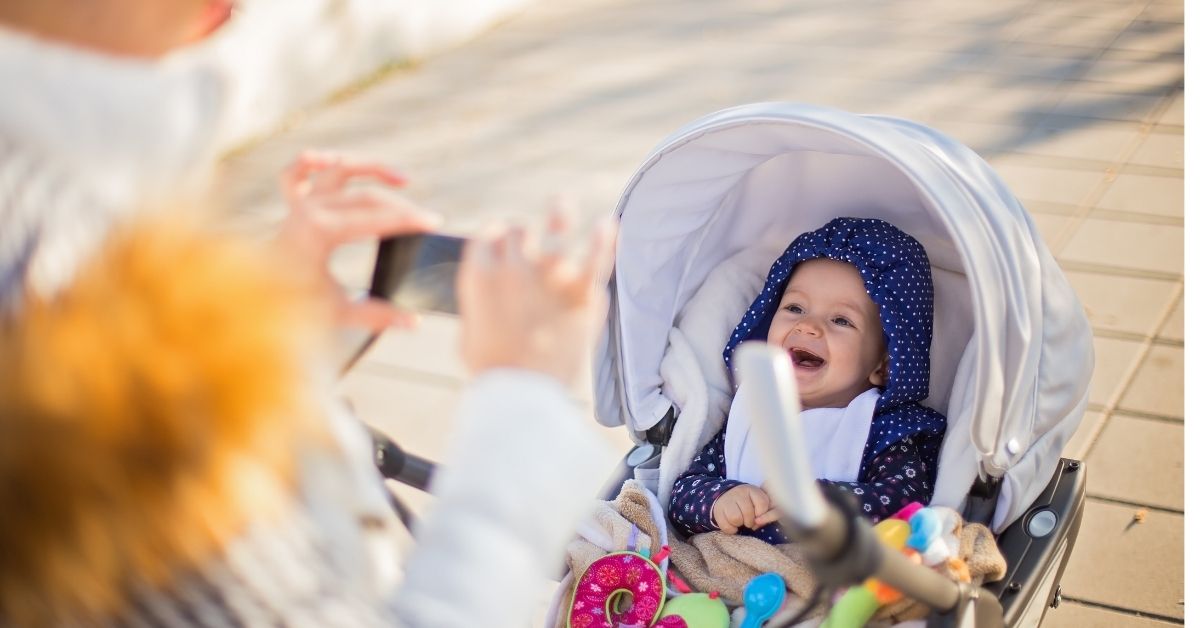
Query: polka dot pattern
point(896, 274)
point(895, 478)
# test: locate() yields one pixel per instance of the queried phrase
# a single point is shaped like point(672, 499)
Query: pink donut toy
point(612, 577)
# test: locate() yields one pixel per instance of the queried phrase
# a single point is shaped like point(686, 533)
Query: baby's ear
point(879, 376)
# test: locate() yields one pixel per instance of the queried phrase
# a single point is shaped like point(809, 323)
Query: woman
point(168, 456)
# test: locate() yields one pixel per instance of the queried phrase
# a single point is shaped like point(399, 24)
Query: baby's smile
point(805, 359)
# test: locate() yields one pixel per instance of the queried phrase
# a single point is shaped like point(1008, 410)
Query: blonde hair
point(147, 413)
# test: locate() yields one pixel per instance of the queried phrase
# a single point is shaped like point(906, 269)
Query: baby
point(852, 304)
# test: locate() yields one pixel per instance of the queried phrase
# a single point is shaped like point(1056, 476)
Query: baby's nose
point(807, 328)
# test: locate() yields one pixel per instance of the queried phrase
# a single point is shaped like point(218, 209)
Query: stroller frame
point(757, 159)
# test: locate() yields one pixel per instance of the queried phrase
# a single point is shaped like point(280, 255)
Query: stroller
point(715, 203)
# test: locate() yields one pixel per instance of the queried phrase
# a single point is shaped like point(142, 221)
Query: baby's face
point(830, 328)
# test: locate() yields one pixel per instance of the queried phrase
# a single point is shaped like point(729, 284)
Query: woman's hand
point(323, 214)
point(525, 303)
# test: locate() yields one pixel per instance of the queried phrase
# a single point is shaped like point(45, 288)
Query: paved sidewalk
point(1077, 103)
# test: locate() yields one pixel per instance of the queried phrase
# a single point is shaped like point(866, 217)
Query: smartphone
point(417, 272)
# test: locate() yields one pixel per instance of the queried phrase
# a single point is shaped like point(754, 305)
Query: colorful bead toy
point(924, 535)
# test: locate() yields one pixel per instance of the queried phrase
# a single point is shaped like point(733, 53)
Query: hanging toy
point(924, 535)
point(942, 533)
point(762, 598)
point(926, 527)
point(894, 533)
point(906, 513)
point(698, 610)
point(622, 590)
point(859, 603)
point(853, 609)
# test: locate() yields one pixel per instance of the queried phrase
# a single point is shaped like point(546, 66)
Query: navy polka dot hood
point(895, 272)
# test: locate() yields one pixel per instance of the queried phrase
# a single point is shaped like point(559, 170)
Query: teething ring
point(607, 580)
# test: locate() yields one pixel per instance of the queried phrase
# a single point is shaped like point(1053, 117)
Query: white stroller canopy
point(1012, 352)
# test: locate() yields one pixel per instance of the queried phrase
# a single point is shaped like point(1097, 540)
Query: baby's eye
point(843, 321)
point(793, 308)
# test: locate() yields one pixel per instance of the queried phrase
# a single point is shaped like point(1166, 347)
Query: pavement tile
point(1038, 66)
point(1086, 15)
point(1156, 57)
point(931, 67)
point(1163, 12)
point(1107, 299)
point(1052, 185)
point(1137, 246)
point(1131, 104)
point(1147, 73)
point(1164, 150)
point(1138, 461)
point(1051, 51)
point(942, 35)
point(1173, 327)
point(1081, 138)
point(1117, 562)
point(430, 354)
point(864, 95)
point(1145, 194)
point(1084, 437)
point(1059, 32)
point(1173, 114)
point(987, 98)
point(1072, 615)
point(1151, 36)
point(1158, 386)
point(985, 138)
point(1114, 359)
point(431, 350)
point(1053, 227)
point(419, 416)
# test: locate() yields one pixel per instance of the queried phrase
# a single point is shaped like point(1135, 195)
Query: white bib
point(835, 439)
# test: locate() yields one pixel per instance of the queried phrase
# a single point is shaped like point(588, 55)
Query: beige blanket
point(724, 563)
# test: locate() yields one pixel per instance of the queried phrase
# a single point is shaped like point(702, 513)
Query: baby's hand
point(741, 506)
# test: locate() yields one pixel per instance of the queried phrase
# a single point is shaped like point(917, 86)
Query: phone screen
point(417, 272)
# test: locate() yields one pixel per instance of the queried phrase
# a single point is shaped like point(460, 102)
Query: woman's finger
point(315, 174)
point(516, 243)
point(294, 181)
point(338, 169)
point(357, 223)
point(554, 241)
point(335, 178)
point(375, 315)
point(597, 265)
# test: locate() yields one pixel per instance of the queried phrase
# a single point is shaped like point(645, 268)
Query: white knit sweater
point(85, 139)
point(522, 470)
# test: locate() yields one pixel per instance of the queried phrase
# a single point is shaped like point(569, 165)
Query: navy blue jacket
point(899, 461)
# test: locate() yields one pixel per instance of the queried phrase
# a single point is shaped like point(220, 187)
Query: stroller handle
point(764, 375)
point(394, 463)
